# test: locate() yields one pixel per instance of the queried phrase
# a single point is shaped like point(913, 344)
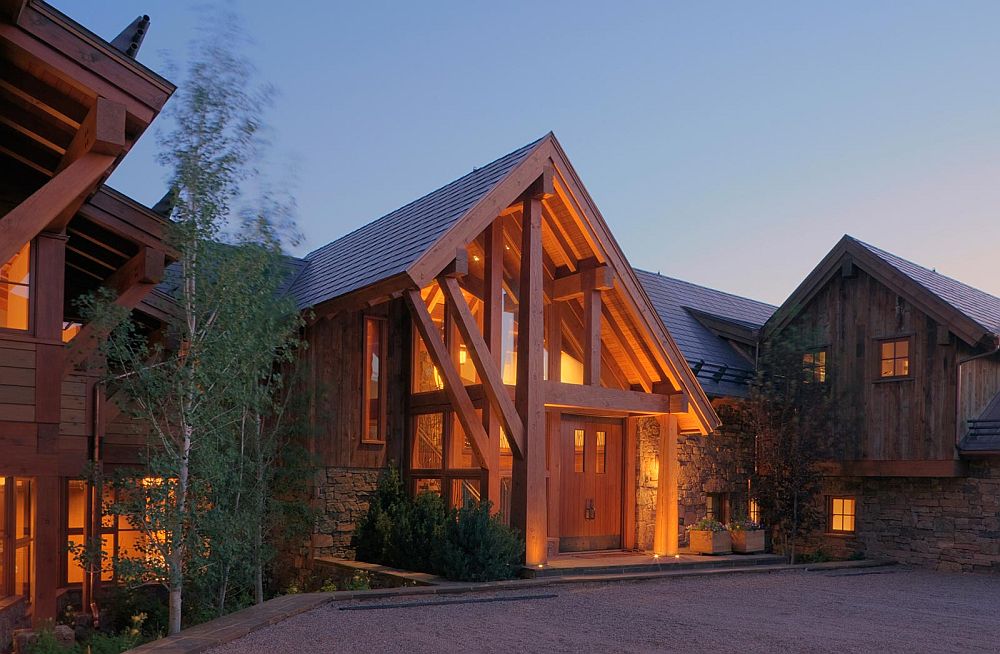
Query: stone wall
point(708, 464)
point(944, 523)
point(342, 498)
point(12, 616)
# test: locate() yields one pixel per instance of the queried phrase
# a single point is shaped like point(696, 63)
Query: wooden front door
point(590, 514)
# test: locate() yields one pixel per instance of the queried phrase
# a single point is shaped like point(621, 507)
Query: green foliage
point(790, 415)
point(743, 525)
point(478, 547)
point(122, 603)
point(47, 643)
point(421, 534)
point(127, 638)
point(707, 524)
point(360, 580)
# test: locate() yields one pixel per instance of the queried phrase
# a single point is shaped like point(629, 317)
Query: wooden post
point(46, 549)
point(493, 333)
point(665, 533)
point(528, 501)
point(591, 330)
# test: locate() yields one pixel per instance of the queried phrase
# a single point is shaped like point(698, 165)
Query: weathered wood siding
point(333, 375)
point(883, 420)
point(980, 384)
point(17, 381)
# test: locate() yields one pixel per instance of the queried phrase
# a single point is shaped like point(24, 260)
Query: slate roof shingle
point(390, 244)
point(977, 305)
point(672, 298)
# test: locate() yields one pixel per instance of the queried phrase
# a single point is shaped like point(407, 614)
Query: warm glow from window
point(70, 330)
point(373, 403)
point(842, 514)
point(570, 369)
point(753, 511)
point(15, 277)
point(578, 459)
point(895, 358)
point(602, 453)
point(814, 366)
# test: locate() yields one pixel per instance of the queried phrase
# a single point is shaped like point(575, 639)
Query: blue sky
point(727, 143)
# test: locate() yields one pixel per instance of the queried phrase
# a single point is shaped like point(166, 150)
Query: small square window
point(894, 358)
point(840, 515)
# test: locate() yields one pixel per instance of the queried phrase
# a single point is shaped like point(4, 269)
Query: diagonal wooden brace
point(453, 386)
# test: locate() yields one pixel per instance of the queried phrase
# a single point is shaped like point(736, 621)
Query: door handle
point(589, 512)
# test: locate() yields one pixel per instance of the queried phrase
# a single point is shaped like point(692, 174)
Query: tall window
point(840, 514)
point(441, 459)
point(814, 366)
point(15, 536)
point(374, 380)
point(15, 277)
point(894, 358)
point(717, 507)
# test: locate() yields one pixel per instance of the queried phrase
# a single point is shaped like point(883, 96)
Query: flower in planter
point(744, 525)
point(707, 524)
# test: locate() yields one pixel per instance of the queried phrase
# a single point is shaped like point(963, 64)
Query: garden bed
point(344, 574)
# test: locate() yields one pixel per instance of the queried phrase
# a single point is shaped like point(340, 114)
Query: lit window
point(840, 514)
point(578, 450)
point(15, 277)
point(16, 537)
point(895, 358)
point(602, 453)
point(374, 406)
point(717, 507)
point(814, 366)
point(753, 511)
point(70, 330)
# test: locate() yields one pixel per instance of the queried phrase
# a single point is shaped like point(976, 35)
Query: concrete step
point(639, 563)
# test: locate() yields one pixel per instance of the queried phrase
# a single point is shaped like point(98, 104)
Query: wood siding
point(882, 420)
point(333, 376)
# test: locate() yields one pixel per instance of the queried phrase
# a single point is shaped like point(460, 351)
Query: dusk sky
point(728, 144)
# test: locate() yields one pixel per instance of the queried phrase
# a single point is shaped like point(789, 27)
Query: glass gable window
point(374, 402)
point(15, 277)
point(442, 460)
point(894, 359)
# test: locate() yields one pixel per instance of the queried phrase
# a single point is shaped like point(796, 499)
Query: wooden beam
point(630, 353)
point(528, 497)
point(132, 282)
point(492, 295)
point(41, 208)
point(591, 330)
point(666, 523)
point(597, 278)
point(612, 400)
point(101, 132)
point(453, 386)
point(459, 267)
point(488, 371)
point(554, 338)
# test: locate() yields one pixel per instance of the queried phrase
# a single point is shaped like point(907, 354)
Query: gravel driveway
point(867, 610)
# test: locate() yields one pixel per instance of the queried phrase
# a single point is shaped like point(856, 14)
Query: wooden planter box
point(748, 542)
point(710, 542)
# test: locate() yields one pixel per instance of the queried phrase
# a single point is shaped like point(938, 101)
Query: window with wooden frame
point(814, 366)
point(840, 514)
point(15, 290)
point(374, 385)
point(717, 507)
point(442, 460)
point(894, 358)
point(16, 537)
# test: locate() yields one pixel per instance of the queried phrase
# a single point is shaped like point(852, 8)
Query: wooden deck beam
point(612, 400)
point(453, 386)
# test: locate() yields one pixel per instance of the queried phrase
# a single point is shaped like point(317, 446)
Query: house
point(912, 360)
point(492, 340)
point(71, 107)
point(718, 334)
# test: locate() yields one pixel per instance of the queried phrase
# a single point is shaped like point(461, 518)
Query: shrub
point(478, 547)
point(422, 535)
point(373, 537)
point(743, 525)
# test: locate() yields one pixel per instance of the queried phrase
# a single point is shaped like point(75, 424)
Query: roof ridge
point(426, 195)
point(932, 271)
point(707, 288)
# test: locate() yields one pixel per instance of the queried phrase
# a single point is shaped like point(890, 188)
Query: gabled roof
point(683, 307)
point(389, 245)
point(971, 314)
point(411, 246)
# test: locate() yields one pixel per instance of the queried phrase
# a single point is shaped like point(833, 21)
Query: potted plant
point(747, 536)
point(708, 536)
